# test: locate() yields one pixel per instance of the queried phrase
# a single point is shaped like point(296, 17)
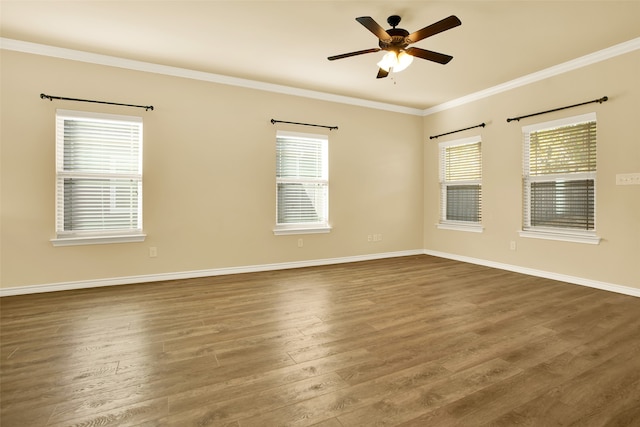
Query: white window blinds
point(560, 174)
point(98, 174)
point(301, 179)
point(461, 181)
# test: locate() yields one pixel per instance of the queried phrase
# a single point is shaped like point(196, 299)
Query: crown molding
point(112, 61)
point(583, 61)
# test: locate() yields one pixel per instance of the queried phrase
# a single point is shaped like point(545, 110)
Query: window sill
point(473, 228)
point(97, 240)
point(280, 231)
point(564, 236)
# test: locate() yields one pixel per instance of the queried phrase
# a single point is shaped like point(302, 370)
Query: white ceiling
point(288, 42)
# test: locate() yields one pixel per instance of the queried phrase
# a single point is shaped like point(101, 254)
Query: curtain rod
point(51, 98)
point(459, 130)
point(274, 121)
point(599, 101)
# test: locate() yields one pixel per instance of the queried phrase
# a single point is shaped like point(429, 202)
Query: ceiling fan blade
point(382, 74)
point(347, 55)
point(374, 27)
point(430, 55)
point(440, 26)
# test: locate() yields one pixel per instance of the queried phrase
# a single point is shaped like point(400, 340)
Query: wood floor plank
point(479, 407)
point(545, 408)
point(397, 408)
point(247, 385)
point(348, 399)
point(16, 414)
point(615, 381)
point(256, 402)
point(411, 341)
point(123, 415)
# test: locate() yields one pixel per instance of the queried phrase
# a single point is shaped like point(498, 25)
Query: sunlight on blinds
point(461, 181)
point(99, 173)
point(302, 178)
point(559, 174)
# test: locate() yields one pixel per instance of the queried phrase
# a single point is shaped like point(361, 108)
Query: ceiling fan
point(396, 42)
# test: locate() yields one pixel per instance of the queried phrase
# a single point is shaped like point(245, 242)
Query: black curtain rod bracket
point(274, 121)
point(51, 98)
point(481, 125)
point(599, 101)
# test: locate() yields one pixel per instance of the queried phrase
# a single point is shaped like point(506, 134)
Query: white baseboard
point(85, 284)
point(626, 290)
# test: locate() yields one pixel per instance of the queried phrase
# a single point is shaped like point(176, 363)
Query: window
point(302, 183)
point(461, 185)
point(98, 178)
point(560, 179)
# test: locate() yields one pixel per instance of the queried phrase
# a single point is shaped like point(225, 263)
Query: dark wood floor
point(412, 341)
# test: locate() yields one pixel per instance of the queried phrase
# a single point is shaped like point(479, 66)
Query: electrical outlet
point(512, 245)
point(153, 252)
point(374, 238)
point(628, 179)
point(300, 243)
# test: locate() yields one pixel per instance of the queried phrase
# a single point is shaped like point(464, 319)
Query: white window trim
point(445, 224)
point(288, 229)
point(553, 234)
point(549, 233)
point(304, 228)
point(460, 226)
point(97, 240)
point(98, 237)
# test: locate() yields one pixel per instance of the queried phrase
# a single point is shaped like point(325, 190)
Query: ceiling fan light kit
point(395, 62)
point(396, 42)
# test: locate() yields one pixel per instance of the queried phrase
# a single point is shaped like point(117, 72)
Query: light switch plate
point(628, 179)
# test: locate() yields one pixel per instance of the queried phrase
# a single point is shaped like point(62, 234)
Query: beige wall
point(209, 192)
point(209, 174)
point(616, 259)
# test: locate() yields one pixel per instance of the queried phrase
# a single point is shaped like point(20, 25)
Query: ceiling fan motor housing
point(398, 40)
